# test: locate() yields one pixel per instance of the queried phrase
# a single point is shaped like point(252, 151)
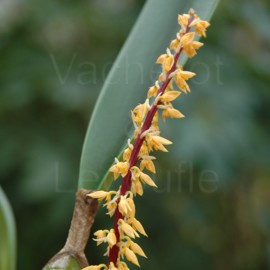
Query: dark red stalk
point(126, 182)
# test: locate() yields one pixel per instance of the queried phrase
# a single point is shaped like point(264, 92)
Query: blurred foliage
point(212, 208)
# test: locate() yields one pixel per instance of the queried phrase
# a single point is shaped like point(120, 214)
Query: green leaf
point(7, 234)
point(133, 72)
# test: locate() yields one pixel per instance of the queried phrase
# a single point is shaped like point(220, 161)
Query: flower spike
point(137, 156)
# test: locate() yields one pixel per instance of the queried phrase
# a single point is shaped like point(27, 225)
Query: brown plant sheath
point(83, 217)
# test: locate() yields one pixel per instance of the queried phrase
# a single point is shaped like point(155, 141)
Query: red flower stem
point(126, 182)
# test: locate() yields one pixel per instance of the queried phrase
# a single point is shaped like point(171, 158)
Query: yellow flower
point(127, 152)
point(130, 255)
point(152, 91)
point(136, 187)
point(137, 249)
point(101, 236)
point(144, 150)
point(136, 224)
point(200, 27)
point(132, 207)
point(111, 207)
point(122, 266)
point(157, 142)
point(180, 78)
point(189, 46)
point(187, 38)
point(120, 168)
point(162, 76)
point(111, 238)
point(167, 61)
point(126, 206)
point(169, 96)
point(127, 229)
point(123, 206)
point(100, 195)
point(140, 111)
point(148, 164)
point(183, 19)
point(175, 44)
point(146, 179)
point(171, 112)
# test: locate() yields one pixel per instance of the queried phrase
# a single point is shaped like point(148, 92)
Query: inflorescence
point(137, 157)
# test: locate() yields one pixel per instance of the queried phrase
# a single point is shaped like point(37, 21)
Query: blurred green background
point(212, 207)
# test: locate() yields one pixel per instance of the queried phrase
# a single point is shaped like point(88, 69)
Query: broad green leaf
point(7, 234)
point(133, 72)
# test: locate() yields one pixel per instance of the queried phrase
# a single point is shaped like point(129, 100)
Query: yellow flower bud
point(152, 91)
point(138, 226)
point(167, 61)
point(200, 27)
point(130, 255)
point(127, 229)
point(172, 113)
point(111, 238)
point(183, 19)
point(137, 249)
point(170, 96)
point(98, 194)
point(147, 180)
point(180, 79)
point(119, 168)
